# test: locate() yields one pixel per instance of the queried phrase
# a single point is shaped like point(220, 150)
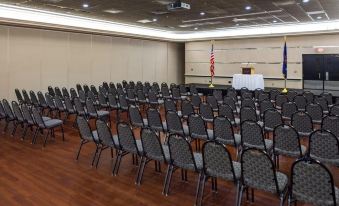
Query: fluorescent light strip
point(14, 14)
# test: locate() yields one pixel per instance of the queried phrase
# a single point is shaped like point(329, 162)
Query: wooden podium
point(247, 70)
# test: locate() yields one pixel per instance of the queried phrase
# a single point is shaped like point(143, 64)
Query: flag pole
point(211, 81)
point(285, 75)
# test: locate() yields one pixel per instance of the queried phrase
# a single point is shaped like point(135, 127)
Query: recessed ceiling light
point(154, 19)
point(85, 5)
point(305, 1)
point(319, 17)
point(202, 13)
point(275, 21)
point(195, 28)
point(248, 7)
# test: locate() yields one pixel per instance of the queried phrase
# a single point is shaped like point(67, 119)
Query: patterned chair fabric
point(328, 97)
point(51, 91)
point(323, 103)
point(247, 102)
point(223, 132)
point(218, 95)
point(252, 137)
point(19, 96)
point(302, 122)
point(197, 128)
point(105, 135)
point(73, 93)
point(230, 101)
point(226, 111)
point(312, 182)
point(127, 140)
point(232, 93)
point(112, 101)
point(170, 105)
point(123, 103)
point(291, 94)
point(331, 123)
point(335, 110)
point(165, 92)
point(309, 96)
point(273, 94)
point(324, 147)
point(263, 96)
point(195, 99)
point(174, 124)
point(272, 118)
point(288, 109)
point(186, 108)
point(212, 101)
point(154, 120)
point(34, 99)
point(8, 110)
point(257, 92)
point(265, 105)
point(300, 101)
point(248, 113)
point(206, 112)
point(135, 117)
point(58, 92)
point(280, 99)
point(247, 95)
point(152, 147)
point(315, 111)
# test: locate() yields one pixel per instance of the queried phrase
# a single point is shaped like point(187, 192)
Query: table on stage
point(252, 82)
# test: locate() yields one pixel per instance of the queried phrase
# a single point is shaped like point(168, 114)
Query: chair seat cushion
point(53, 123)
point(237, 139)
point(290, 153)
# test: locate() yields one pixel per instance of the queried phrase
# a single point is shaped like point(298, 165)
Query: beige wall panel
point(161, 63)
point(101, 59)
point(4, 72)
point(135, 59)
point(200, 45)
point(24, 59)
point(148, 61)
point(120, 57)
point(176, 65)
point(54, 59)
point(198, 56)
point(80, 60)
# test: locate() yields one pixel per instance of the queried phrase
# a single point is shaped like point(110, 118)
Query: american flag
point(212, 63)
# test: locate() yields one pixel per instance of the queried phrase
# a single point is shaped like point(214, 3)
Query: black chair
point(302, 122)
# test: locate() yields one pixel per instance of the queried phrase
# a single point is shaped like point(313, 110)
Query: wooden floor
point(32, 175)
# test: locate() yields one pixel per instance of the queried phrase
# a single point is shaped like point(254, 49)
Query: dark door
point(313, 71)
point(331, 72)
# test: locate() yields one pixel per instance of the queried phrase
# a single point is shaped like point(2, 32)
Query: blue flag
point(284, 67)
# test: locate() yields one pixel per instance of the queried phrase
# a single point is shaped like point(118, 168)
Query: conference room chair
point(34, 99)
point(170, 105)
point(103, 91)
point(113, 105)
point(206, 112)
point(263, 96)
point(165, 92)
point(139, 85)
point(73, 94)
point(286, 142)
point(51, 91)
point(94, 90)
point(147, 85)
point(291, 94)
point(232, 93)
point(155, 122)
point(58, 92)
point(315, 111)
point(252, 137)
point(131, 84)
point(176, 96)
point(163, 84)
point(135, 117)
point(10, 117)
point(19, 96)
point(28, 120)
point(308, 178)
point(272, 118)
point(257, 93)
point(198, 130)
point(123, 104)
point(246, 95)
point(127, 145)
point(183, 90)
point(105, 85)
point(82, 97)
point(141, 98)
point(2, 112)
point(186, 109)
point(93, 97)
point(102, 101)
point(86, 88)
point(324, 147)
point(217, 164)
point(19, 118)
point(280, 99)
point(218, 95)
point(153, 150)
point(106, 139)
point(334, 110)
point(182, 157)
point(300, 101)
point(322, 101)
point(248, 113)
point(27, 100)
point(131, 97)
point(248, 102)
point(174, 124)
point(309, 96)
point(193, 90)
point(97, 114)
point(265, 105)
point(331, 123)
point(223, 132)
point(153, 100)
point(119, 85)
point(48, 125)
point(155, 87)
point(51, 104)
point(87, 136)
point(69, 108)
point(273, 94)
point(79, 108)
point(230, 101)
point(65, 92)
point(213, 102)
point(288, 109)
point(60, 107)
point(196, 100)
point(243, 90)
point(226, 111)
point(78, 87)
point(329, 98)
point(258, 172)
point(302, 122)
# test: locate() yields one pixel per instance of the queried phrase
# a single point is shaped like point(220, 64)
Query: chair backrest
point(94, 90)
point(90, 107)
point(18, 96)
point(102, 99)
point(331, 123)
point(104, 133)
point(58, 103)
point(335, 110)
point(181, 154)
point(193, 89)
point(17, 111)
point(196, 126)
point(243, 90)
point(8, 109)
point(217, 161)
point(34, 98)
point(135, 116)
point(273, 94)
point(302, 122)
point(151, 145)
point(328, 97)
point(226, 111)
point(252, 135)
point(91, 95)
point(286, 138)
point(79, 87)
point(195, 100)
point(247, 95)
point(154, 119)
point(265, 105)
point(126, 138)
point(186, 108)
point(248, 103)
point(288, 109)
point(315, 111)
point(321, 100)
point(49, 100)
point(312, 182)
point(73, 93)
point(2, 111)
point(103, 91)
point(176, 93)
point(27, 114)
point(258, 171)
point(26, 97)
point(182, 89)
point(86, 88)
point(272, 118)
point(206, 111)
point(51, 91)
point(58, 92)
point(69, 105)
point(222, 129)
point(130, 94)
point(78, 106)
point(165, 92)
point(218, 95)
point(112, 101)
point(38, 118)
point(82, 96)
point(257, 92)
point(174, 124)
point(309, 96)
point(84, 129)
point(152, 97)
point(300, 101)
point(212, 101)
point(291, 94)
point(230, 101)
point(248, 113)
point(232, 93)
point(323, 146)
point(280, 99)
point(170, 105)
point(123, 102)
point(65, 92)
point(141, 96)
point(263, 96)
point(105, 85)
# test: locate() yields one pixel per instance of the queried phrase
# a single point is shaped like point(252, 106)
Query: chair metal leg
point(14, 128)
point(197, 193)
point(24, 132)
point(63, 133)
point(237, 193)
point(6, 126)
point(240, 194)
point(78, 153)
point(95, 155)
point(112, 153)
point(99, 155)
point(35, 135)
point(169, 180)
point(141, 170)
point(202, 188)
point(166, 179)
point(48, 132)
point(117, 163)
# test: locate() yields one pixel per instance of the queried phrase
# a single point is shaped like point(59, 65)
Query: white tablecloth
point(252, 82)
